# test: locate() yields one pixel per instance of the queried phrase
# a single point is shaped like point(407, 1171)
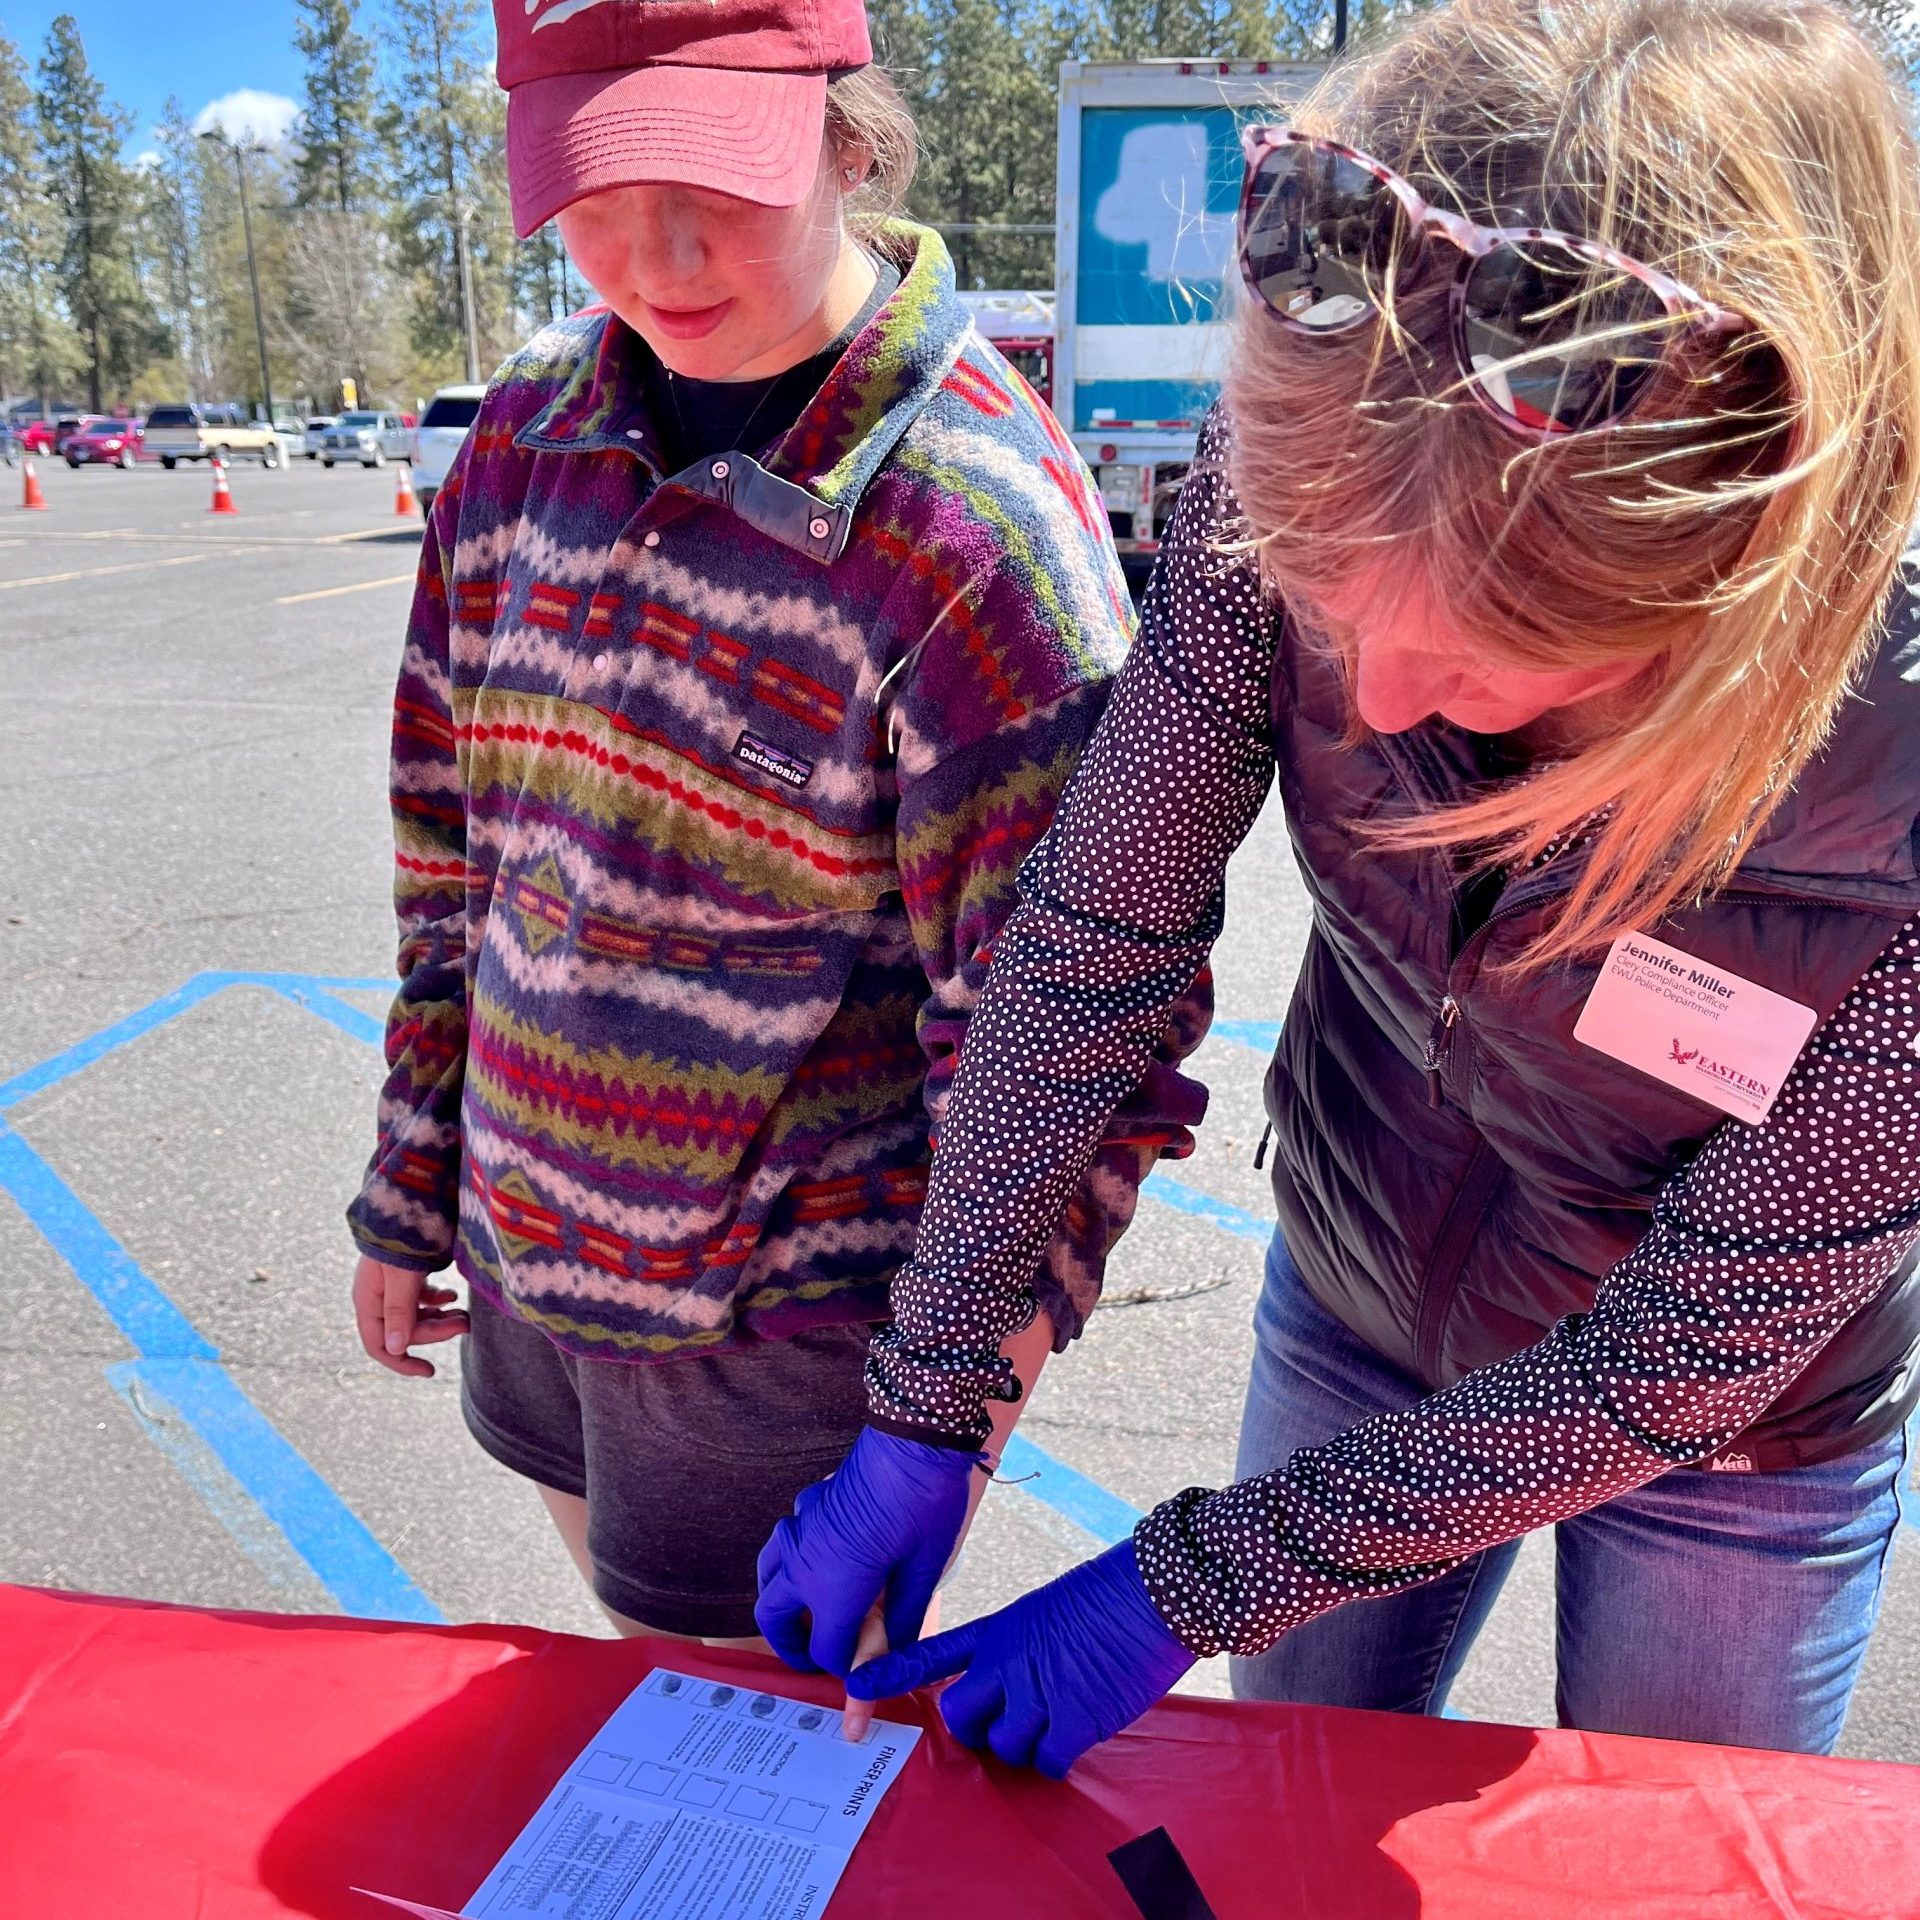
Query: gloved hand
point(881, 1527)
point(1043, 1680)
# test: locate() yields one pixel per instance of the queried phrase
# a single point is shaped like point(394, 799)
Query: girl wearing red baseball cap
point(760, 622)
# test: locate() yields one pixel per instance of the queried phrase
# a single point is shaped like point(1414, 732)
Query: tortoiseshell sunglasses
point(1555, 335)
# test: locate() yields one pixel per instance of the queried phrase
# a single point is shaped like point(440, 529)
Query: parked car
point(106, 443)
point(67, 425)
point(293, 436)
point(10, 448)
point(371, 438)
point(437, 438)
point(315, 431)
point(36, 433)
point(176, 433)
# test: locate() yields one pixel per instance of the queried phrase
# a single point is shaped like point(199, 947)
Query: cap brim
point(754, 135)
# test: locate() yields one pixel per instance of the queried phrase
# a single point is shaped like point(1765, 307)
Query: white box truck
point(1149, 185)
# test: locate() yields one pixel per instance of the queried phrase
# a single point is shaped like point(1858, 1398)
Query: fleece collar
point(831, 454)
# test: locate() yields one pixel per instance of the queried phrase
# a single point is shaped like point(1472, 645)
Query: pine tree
point(39, 350)
point(444, 123)
point(173, 246)
point(98, 199)
point(1896, 30)
point(983, 91)
point(542, 286)
point(339, 158)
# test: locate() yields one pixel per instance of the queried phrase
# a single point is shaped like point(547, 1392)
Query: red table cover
point(159, 1763)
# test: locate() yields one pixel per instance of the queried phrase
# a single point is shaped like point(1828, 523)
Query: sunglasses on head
point(1554, 335)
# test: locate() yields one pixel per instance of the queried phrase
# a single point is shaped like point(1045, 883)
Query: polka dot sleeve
point(1120, 905)
point(1759, 1251)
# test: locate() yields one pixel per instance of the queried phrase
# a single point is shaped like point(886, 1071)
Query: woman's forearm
point(1120, 904)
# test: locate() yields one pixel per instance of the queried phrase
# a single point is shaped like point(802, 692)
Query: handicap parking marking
point(263, 1491)
point(255, 1482)
point(315, 992)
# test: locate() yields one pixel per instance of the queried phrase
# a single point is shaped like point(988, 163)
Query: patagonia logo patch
point(785, 767)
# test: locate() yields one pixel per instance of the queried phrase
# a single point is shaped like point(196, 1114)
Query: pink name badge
point(1693, 1026)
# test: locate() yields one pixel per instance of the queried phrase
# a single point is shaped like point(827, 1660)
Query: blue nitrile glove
point(1063, 1668)
point(882, 1527)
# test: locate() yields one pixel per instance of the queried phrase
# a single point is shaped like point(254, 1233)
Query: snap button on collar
point(721, 469)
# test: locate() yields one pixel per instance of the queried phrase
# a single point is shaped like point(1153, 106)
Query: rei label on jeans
point(1727, 1041)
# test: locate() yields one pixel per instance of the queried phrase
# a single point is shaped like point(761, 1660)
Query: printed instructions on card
point(696, 1801)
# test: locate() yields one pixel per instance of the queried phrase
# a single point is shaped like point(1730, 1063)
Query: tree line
point(126, 282)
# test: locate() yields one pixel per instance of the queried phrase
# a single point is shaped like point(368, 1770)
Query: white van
point(438, 436)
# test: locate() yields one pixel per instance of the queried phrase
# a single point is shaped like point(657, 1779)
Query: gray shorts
point(685, 1465)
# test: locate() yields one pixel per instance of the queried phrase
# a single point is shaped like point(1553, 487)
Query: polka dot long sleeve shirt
point(1756, 1254)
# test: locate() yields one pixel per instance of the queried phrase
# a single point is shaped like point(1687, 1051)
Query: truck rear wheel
point(270, 455)
point(166, 460)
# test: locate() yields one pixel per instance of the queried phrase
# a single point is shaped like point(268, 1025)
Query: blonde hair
point(1738, 536)
point(867, 114)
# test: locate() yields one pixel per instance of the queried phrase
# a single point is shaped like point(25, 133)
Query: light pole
point(220, 139)
point(462, 215)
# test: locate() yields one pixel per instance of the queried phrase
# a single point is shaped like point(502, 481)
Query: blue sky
point(202, 50)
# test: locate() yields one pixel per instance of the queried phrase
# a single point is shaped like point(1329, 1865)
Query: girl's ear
point(852, 164)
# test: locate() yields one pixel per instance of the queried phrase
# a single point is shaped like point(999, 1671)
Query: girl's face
point(1410, 663)
point(719, 288)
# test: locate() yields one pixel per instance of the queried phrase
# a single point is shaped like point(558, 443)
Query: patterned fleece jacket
point(709, 789)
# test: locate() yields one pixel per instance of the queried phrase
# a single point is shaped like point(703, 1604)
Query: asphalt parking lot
point(194, 933)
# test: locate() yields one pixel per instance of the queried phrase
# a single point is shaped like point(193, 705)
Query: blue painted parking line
point(320, 1527)
point(149, 1322)
point(1162, 1186)
point(1261, 1035)
point(1085, 1502)
point(51, 1071)
point(351, 1020)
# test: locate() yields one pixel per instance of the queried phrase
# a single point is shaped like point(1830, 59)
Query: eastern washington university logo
point(1717, 1070)
point(549, 13)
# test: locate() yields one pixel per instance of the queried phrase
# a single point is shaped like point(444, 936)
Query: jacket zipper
point(1439, 1046)
point(1447, 1259)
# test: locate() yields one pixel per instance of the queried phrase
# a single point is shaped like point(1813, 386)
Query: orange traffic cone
point(403, 500)
point(32, 496)
point(222, 493)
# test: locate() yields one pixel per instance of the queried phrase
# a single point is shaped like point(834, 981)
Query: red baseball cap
point(725, 94)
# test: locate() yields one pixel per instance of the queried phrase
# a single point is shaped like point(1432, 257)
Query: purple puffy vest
point(1449, 1215)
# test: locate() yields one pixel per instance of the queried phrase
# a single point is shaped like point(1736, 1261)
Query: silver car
point(314, 432)
point(371, 438)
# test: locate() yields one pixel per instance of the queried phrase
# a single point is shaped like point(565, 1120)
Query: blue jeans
point(1726, 1607)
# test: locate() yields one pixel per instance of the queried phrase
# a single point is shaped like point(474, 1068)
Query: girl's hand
point(396, 1308)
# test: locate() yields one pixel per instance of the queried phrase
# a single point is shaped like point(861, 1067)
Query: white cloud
point(249, 114)
point(146, 161)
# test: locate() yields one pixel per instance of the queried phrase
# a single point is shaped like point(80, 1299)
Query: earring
point(851, 175)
